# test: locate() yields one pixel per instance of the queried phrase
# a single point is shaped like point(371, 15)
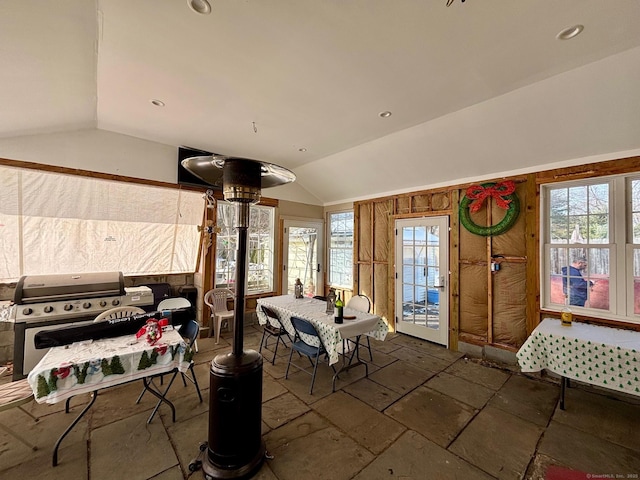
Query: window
point(260, 248)
point(57, 223)
point(341, 249)
point(591, 234)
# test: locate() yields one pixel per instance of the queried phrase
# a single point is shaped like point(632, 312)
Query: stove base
point(215, 472)
point(235, 445)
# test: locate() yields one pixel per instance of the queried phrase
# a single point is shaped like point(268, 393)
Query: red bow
point(498, 191)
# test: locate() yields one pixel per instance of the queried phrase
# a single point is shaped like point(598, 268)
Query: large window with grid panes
point(591, 248)
point(260, 248)
point(341, 249)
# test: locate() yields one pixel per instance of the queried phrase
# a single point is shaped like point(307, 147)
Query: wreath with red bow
point(503, 194)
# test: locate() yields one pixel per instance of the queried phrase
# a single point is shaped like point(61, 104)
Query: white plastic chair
point(174, 303)
point(362, 304)
point(118, 312)
point(216, 299)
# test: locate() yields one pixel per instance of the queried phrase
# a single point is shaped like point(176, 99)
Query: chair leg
point(313, 377)
point(264, 334)
point(195, 381)
point(275, 352)
point(219, 321)
point(286, 374)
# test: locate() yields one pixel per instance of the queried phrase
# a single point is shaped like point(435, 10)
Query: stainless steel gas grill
point(43, 302)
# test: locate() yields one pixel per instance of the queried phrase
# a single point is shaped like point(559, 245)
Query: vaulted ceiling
point(475, 89)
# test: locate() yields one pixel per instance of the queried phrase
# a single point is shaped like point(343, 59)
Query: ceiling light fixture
point(385, 114)
point(203, 7)
point(302, 149)
point(157, 103)
point(570, 32)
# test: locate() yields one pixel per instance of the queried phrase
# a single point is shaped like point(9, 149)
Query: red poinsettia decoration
point(152, 330)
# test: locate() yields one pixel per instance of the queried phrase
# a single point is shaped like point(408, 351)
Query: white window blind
point(57, 223)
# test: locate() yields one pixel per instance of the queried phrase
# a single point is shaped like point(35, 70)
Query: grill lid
point(45, 288)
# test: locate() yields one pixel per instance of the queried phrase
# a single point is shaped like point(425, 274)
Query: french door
point(422, 278)
point(302, 258)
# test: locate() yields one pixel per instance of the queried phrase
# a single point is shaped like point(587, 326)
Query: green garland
point(513, 210)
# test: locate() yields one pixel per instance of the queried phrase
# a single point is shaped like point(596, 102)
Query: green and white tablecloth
point(84, 367)
point(603, 356)
point(331, 333)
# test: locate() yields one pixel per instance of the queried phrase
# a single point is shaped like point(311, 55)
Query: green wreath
point(505, 197)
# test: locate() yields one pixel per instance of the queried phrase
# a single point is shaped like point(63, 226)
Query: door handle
point(318, 268)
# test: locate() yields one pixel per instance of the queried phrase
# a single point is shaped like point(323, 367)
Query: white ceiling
point(477, 88)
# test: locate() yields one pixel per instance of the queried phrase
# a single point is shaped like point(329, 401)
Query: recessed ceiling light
point(157, 103)
point(385, 114)
point(302, 149)
point(203, 7)
point(570, 32)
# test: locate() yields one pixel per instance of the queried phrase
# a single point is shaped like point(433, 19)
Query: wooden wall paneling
point(403, 204)
point(454, 268)
point(609, 167)
point(356, 246)
point(382, 256)
point(532, 240)
point(489, 274)
point(421, 203)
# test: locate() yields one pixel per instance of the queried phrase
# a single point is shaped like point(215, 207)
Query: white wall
point(113, 153)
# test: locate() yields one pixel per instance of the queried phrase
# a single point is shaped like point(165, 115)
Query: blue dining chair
point(313, 353)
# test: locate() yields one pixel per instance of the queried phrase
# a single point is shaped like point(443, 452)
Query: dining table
point(337, 338)
point(90, 366)
point(594, 354)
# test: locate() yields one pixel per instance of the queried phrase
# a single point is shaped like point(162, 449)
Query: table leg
point(161, 397)
point(70, 427)
point(563, 386)
point(347, 366)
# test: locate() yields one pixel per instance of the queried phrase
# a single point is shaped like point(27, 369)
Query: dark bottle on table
point(339, 305)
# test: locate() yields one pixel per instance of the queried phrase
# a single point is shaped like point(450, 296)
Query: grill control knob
point(86, 305)
point(48, 309)
point(27, 311)
point(115, 302)
point(103, 303)
point(68, 307)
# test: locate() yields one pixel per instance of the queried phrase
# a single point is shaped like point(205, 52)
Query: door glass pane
point(303, 259)
point(420, 276)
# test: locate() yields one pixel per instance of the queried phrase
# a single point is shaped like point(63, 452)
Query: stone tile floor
point(424, 412)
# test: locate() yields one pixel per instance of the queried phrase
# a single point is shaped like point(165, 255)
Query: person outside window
point(577, 286)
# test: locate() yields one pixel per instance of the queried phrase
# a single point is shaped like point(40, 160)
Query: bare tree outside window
point(341, 249)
